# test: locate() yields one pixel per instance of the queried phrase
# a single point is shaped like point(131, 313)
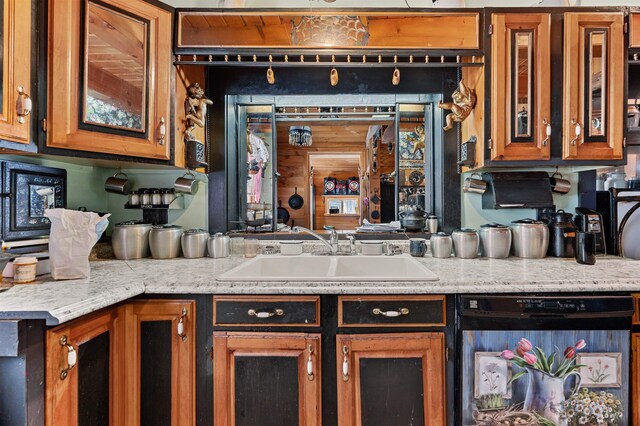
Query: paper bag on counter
point(73, 235)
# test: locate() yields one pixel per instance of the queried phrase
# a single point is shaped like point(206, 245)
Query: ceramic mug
point(395, 79)
point(271, 78)
point(417, 247)
point(118, 185)
point(333, 76)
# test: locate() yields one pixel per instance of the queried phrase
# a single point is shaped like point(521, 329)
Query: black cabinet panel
point(392, 392)
point(93, 381)
point(155, 373)
point(423, 312)
point(266, 391)
point(230, 312)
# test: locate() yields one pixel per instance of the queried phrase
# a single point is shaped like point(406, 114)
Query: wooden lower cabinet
point(160, 362)
point(83, 386)
point(267, 379)
point(133, 364)
point(391, 379)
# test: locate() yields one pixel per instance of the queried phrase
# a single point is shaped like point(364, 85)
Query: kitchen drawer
point(636, 308)
point(391, 311)
point(266, 310)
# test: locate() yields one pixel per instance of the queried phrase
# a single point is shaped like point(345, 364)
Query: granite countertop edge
point(112, 282)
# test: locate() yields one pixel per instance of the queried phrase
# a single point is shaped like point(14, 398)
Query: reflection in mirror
point(597, 45)
point(115, 69)
point(521, 75)
point(256, 166)
point(413, 141)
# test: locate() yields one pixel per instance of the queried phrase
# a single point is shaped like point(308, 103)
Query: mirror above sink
point(310, 268)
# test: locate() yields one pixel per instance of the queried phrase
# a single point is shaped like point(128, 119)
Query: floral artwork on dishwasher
point(545, 378)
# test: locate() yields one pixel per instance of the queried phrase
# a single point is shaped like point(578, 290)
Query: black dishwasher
point(543, 359)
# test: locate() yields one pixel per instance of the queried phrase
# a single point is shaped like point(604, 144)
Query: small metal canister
point(219, 245)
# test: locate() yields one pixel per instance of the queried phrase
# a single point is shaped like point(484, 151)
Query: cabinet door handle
point(345, 363)
point(23, 104)
point(181, 333)
point(578, 131)
point(310, 363)
point(265, 314)
point(162, 131)
point(547, 131)
point(398, 313)
point(72, 357)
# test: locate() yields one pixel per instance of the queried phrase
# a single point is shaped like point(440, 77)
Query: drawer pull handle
point(578, 131)
point(547, 131)
point(72, 357)
point(181, 325)
point(310, 364)
point(345, 363)
point(265, 314)
point(398, 313)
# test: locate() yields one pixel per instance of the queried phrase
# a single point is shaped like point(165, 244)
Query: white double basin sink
point(312, 268)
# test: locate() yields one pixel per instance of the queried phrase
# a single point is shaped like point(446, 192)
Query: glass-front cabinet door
point(15, 68)
point(520, 87)
point(593, 116)
point(109, 82)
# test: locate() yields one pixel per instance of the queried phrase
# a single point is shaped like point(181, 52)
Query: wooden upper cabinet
point(634, 32)
point(520, 86)
point(593, 111)
point(15, 67)
point(109, 77)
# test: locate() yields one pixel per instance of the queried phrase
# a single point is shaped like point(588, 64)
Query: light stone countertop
point(114, 281)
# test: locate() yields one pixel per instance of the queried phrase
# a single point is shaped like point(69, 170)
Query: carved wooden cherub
point(195, 108)
point(464, 100)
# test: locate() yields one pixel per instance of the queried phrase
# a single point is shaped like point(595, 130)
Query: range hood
point(508, 190)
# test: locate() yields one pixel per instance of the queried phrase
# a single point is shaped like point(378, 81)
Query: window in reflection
point(522, 77)
point(115, 68)
point(596, 82)
point(414, 141)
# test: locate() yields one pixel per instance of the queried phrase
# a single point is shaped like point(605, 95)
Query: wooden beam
point(105, 86)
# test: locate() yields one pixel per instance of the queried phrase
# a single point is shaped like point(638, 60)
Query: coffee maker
point(588, 220)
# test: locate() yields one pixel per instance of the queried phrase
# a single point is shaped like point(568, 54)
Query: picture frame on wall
point(491, 375)
point(601, 369)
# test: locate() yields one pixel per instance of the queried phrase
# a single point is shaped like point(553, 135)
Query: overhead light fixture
point(328, 31)
point(300, 136)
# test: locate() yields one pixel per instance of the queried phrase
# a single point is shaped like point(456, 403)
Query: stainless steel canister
point(164, 241)
point(441, 244)
point(130, 240)
point(219, 245)
point(495, 240)
point(530, 238)
point(465, 243)
point(194, 243)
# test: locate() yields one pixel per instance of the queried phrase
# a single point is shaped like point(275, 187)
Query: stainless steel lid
point(219, 235)
point(465, 231)
point(133, 223)
point(440, 235)
point(195, 231)
point(527, 222)
point(493, 225)
point(166, 228)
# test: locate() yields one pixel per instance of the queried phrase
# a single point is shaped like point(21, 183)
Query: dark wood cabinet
point(594, 108)
point(82, 358)
point(391, 379)
point(160, 362)
point(635, 378)
point(271, 379)
point(520, 86)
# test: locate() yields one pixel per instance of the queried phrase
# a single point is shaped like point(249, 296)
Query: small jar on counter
point(24, 270)
point(156, 197)
point(134, 198)
point(168, 195)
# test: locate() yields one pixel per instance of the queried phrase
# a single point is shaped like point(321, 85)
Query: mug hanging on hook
point(271, 78)
point(395, 79)
point(186, 184)
point(558, 184)
point(477, 185)
point(333, 76)
point(118, 185)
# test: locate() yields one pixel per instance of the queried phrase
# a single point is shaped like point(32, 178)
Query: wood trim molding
point(634, 29)
point(389, 298)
